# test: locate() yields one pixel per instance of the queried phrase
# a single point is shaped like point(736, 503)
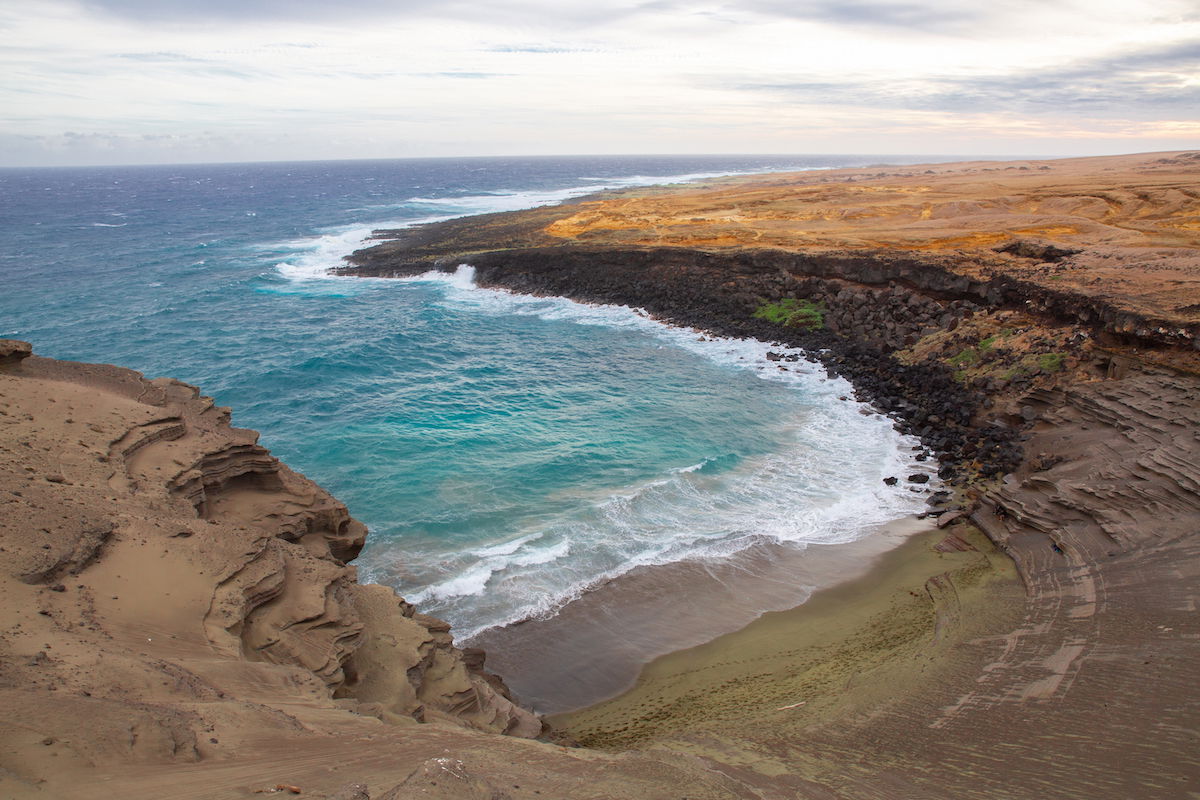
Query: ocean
point(510, 454)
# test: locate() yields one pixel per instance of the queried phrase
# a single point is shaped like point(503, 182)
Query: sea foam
point(822, 485)
point(313, 258)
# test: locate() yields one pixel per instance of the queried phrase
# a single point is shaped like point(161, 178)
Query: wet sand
point(596, 646)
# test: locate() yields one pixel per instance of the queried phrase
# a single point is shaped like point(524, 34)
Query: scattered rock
point(445, 779)
point(13, 351)
point(948, 519)
point(351, 791)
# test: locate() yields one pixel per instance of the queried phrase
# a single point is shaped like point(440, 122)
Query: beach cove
point(1054, 386)
point(1029, 333)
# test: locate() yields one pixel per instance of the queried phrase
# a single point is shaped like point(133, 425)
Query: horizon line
point(959, 156)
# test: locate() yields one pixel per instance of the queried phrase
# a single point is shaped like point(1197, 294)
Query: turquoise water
point(507, 452)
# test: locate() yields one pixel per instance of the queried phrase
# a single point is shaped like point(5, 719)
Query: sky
point(178, 81)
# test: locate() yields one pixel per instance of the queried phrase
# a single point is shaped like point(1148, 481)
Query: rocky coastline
point(718, 294)
point(180, 619)
point(1042, 345)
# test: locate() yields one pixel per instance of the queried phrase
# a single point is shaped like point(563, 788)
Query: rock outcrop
point(168, 583)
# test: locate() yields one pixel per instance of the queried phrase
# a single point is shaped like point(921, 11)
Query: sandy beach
point(1037, 323)
point(596, 646)
point(891, 626)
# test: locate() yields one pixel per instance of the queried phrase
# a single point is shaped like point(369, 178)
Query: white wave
point(472, 581)
point(505, 548)
point(315, 256)
point(109, 224)
point(318, 255)
point(823, 485)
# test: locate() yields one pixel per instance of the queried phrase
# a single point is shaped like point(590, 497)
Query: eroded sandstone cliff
point(169, 585)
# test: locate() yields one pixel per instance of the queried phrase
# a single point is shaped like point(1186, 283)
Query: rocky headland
point(179, 618)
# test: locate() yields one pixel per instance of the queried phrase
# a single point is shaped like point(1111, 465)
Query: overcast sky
point(154, 81)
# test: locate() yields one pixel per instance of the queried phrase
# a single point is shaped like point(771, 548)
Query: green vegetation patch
point(793, 313)
point(1047, 362)
point(986, 344)
point(968, 356)
point(1051, 362)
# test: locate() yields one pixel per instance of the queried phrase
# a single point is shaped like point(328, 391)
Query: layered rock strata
point(168, 583)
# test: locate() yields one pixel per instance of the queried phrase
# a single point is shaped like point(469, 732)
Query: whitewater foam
point(823, 484)
point(316, 256)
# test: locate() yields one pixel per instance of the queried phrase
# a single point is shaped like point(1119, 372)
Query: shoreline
point(594, 648)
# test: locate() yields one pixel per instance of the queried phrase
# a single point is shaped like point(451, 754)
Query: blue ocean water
point(507, 452)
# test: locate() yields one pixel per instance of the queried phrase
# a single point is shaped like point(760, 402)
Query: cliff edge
point(172, 591)
point(177, 619)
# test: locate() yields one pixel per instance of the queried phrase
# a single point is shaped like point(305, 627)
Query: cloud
point(193, 65)
point(874, 13)
point(402, 77)
point(161, 58)
point(217, 10)
point(1184, 55)
point(1138, 84)
point(544, 49)
point(463, 75)
point(912, 15)
point(536, 13)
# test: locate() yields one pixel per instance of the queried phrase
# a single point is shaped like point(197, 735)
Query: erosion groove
point(160, 545)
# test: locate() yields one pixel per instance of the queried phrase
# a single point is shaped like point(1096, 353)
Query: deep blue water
point(507, 452)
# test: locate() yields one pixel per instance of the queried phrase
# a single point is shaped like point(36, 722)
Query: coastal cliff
point(169, 586)
point(913, 269)
point(179, 620)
